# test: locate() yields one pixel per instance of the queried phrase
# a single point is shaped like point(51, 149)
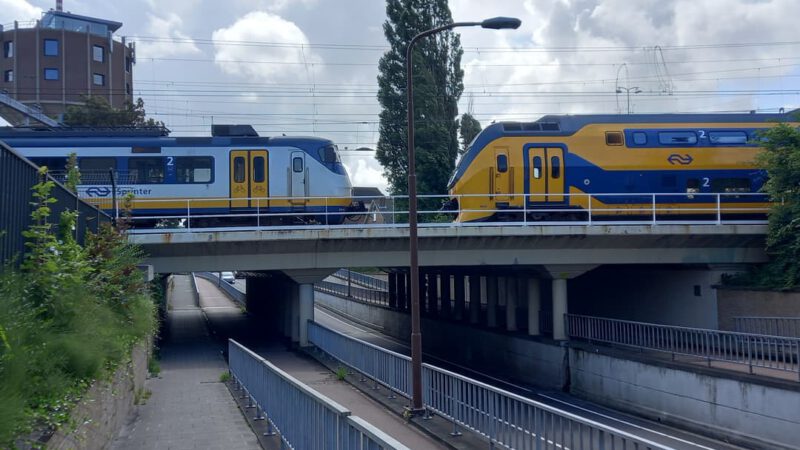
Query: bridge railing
point(356, 292)
point(229, 290)
point(776, 326)
point(362, 279)
point(302, 417)
point(185, 214)
point(752, 350)
point(506, 419)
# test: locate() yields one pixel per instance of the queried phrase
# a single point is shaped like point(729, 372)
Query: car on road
point(228, 277)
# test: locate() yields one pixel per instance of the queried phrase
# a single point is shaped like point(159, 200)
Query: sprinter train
point(232, 176)
point(609, 166)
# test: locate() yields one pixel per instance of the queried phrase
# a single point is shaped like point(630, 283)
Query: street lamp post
point(495, 23)
point(628, 90)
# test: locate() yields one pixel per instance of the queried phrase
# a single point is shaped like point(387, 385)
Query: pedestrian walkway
point(189, 408)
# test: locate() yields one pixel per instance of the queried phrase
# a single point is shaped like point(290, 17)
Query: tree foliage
point(97, 112)
point(781, 160)
point(469, 127)
point(438, 84)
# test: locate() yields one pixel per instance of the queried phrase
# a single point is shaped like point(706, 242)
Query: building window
point(99, 79)
point(51, 74)
point(193, 169)
point(50, 47)
point(128, 89)
point(8, 49)
point(98, 53)
point(8, 76)
point(128, 63)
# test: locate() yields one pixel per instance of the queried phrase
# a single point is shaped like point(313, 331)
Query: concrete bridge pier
point(534, 305)
point(512, 291)
point(446, 299)
point(459, 296)
point(474, 299)
point(433, 291)
point(491, 301)
point(392, 290)
point(560, 273)
point(302, 300)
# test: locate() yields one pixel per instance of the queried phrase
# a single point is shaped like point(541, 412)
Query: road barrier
point(361, 279)
point(303, 418)
point(506, 419)
point(354, 292)
point(753, 350)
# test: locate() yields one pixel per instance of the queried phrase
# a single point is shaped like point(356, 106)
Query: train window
point(677, 137)
point(238, 169)
point(297, 164)
point(88, 165)
point(537, 167)
point(639, 138)
point(52, 164)
point(550, 126)
point(613, 138)
point(193, 169)
point(502, 163)
point(146, 170)
point(730, 185)
point(728, 137)
point(692, 185)
point(555, 167)
point(328, 154)
point(258, 169)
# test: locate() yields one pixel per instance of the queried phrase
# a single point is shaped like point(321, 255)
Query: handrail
point(321, 211)
point(362, 279)
point(355, 292)
point(503, 417)
point(232, 293)
point(753, 350)
point(304, 418)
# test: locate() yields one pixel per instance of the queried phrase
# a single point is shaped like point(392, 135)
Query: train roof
point(568, 124)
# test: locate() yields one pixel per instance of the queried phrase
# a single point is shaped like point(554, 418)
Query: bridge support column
point(392, 289)
point(534, 305)
point(460, 294)
point(511, 303)
point(433, 292)
point(491, 301)
point(447, 304)
point(502, 297)
point(294, 299)
point(474, 299)
point(306, 310)
point(561, 273)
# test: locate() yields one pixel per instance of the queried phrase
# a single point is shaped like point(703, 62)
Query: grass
point(341, 373)
point(224, 377)
point(153, 366)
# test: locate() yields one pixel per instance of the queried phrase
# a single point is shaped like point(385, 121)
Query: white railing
point(186, 214)
point(776, 326)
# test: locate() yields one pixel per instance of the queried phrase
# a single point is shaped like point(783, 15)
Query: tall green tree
point(438, 84)
point(469, 127)
point(97, 112)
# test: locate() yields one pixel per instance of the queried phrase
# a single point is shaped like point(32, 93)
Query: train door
point(503, 183)
point(298, 177)
point(544, 172)
point(249, 178)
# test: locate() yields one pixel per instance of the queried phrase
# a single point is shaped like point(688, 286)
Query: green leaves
point(97, 112)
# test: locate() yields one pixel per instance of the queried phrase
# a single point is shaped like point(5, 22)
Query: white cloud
point(21, 10)
point(289, 60)
point(173, 41)
point(365, 172)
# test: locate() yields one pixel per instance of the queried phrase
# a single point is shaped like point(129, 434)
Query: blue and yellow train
point(234, 175)
point(565, 166)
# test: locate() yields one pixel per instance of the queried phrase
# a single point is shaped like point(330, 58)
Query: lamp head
point(501, 23)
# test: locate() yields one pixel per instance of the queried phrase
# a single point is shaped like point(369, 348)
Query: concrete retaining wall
point(105, 408)
point(730, 408)
point(522, 360)
point(733, 303)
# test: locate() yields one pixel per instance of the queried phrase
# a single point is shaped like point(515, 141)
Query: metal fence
point(776, 326)
point(628, 209)
point(506, 419)
point(302, 417)
point(362, 279)
point(17, 177)
point(229, 290)
point(753, 350)
point(358, 293)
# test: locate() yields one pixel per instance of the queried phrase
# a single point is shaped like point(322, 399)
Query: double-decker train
point(232, 175)
point(565, 166)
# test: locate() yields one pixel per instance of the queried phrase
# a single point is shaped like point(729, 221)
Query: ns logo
point(98, 191)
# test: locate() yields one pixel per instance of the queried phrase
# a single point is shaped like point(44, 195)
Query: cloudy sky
point(310, 66)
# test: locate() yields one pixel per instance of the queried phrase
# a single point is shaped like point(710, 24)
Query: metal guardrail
point(753, 350)
point(362, 279)
point(632, 209)
point(304, 418)
point(17, 177)
point(355, 292)
point(506, 419)
point(775, 326)
point(233, 293)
